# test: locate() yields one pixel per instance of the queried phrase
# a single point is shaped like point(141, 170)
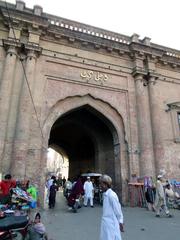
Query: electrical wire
point(26, 79)
point(24, 71)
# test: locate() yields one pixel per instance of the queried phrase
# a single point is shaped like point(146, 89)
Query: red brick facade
point(129, 89)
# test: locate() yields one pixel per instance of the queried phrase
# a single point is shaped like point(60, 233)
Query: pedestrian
point(149, 189)
point(160, 199)
point(112, 218)
point(170, 193)
point(173, 197)
point(88, 192)
point(49, 182)
point(59, 182)
point(67, 187)
point(52, 195)
point(5, 186)
point(37, 230)
point(32, 190)
point(76, 193)
point(63, 181)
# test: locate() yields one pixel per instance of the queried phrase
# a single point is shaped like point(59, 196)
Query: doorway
point(84, 135)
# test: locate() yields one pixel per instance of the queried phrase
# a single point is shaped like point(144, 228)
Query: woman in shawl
point(37, 231)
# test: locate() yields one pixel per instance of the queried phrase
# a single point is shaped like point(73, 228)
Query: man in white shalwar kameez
point(88, 192)
point(112, 218)
point(160, 199)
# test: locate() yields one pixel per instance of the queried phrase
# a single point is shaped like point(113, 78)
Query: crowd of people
point(158, 193)
point(5, 185)
point(16, 199)
point(10, 187)
point(73, 190)
point(112, 219)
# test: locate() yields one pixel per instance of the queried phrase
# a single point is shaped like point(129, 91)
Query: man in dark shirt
point(52, 195)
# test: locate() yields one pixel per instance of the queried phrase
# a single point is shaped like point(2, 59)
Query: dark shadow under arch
point(104, 132)
point(87, 138)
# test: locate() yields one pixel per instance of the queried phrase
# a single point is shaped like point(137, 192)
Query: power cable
point(26, 79)
point(24, 71)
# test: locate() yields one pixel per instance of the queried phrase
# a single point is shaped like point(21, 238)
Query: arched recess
point(111, 119)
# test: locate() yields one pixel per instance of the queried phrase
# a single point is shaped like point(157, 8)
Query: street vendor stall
point(21, 199)
point(136, 194)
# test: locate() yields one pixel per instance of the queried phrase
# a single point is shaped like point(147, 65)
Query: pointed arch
point(71, 103)
point(112, 119)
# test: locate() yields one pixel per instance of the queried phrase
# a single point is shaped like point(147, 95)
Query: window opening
point(178, 115)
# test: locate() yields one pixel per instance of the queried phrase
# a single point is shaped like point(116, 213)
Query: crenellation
point(147, 41)
point(20, 5)
point(38, 10)
point(60, 23)
point(135, 38)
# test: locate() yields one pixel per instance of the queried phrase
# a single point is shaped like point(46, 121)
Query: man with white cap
point(112, 218)
point(160, 199)
point(88, 192)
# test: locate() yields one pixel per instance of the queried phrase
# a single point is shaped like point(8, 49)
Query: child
point(37, 230)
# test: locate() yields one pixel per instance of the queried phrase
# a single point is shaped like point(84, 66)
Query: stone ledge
point(84, 32)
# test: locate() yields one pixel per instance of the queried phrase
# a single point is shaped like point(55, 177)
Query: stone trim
point(21, 48)
point(73, 30)
point(174, 109)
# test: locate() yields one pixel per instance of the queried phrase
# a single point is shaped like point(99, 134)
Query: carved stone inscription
point(94, 76)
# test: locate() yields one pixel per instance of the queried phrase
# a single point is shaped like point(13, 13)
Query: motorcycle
point(17, 228)
point(14, 227)
point(74, 202)
point(66, 193)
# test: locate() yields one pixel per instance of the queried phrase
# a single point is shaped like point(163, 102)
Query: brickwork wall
point(134, 83)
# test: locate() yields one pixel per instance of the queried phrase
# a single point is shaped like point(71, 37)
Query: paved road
point(84, 225)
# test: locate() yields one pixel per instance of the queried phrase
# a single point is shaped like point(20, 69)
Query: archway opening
point(57, 162)
point(87, 137)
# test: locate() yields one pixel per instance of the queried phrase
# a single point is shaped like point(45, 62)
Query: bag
point(33, 204)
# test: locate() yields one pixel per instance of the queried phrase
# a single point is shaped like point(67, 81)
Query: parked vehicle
point(14, 227)
point(17, 228)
